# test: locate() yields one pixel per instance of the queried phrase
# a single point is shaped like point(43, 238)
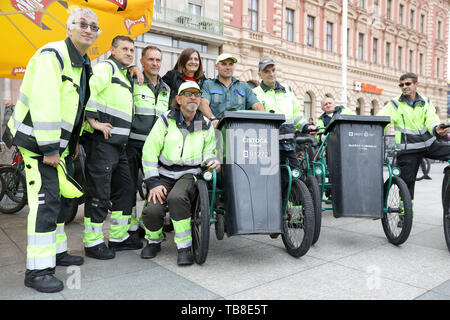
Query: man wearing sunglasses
point(417, 126)
point(180, 143)
point(46, 125)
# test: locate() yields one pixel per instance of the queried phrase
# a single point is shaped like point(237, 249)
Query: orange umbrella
point(26, 25)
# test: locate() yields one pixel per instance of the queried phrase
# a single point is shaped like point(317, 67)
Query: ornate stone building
point(386, 38)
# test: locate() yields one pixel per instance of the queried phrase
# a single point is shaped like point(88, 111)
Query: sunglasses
point(190, 94)
point(84, 25)
point(405, 84)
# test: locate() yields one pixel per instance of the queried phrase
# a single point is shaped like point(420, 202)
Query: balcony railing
point(187, 20)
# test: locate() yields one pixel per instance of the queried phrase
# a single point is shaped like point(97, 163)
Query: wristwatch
point(213, 118)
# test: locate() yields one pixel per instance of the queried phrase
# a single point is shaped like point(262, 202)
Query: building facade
point(386, 38)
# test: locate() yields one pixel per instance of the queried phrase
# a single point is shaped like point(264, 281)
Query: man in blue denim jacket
point(226, 92)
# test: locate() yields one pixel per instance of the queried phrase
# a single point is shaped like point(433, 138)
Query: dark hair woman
point(188, 67)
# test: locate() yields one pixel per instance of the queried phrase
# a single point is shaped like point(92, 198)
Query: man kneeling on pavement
point(180, 143)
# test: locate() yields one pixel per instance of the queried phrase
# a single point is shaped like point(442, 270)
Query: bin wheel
point(220, 226)
point(200, 222)
point(445, 182)
point(397, 222)
point(298, 220)
point(314, 189)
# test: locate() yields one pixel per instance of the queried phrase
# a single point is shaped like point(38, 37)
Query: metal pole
point(344, 53)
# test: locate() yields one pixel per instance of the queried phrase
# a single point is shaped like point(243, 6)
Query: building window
point(410, 61)
point(422, 23)
point(195, 9)
point(361, 3)
point(438, 64)
point(399, 58)
point(289, 24)
point(375, 50)
point(361, 46)
point(388, 9)
point(388, 54)
point(420, 63)
point(253, 15)
point(411, 19)
point(438, 31)
point(310, 31)
point(376, 7)
point(348, 41)
point(329, 36)
point(400, 14)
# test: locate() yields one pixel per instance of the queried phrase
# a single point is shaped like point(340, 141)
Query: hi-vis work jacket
point(48, 101)
point(414, 125)
point(283, 101)
point(173, 151)
point(111, 100)
point(147, 109)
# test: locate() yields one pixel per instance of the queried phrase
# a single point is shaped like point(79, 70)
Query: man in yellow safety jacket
point(45, 126)
point(109, 113)
point(416, 126)
point(181, 141)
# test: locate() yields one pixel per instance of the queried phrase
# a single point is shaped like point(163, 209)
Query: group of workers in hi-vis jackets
point(161, 125)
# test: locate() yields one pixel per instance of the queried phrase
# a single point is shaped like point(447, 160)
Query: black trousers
point(180, 194)
point(409, 163)
point(134, 157)
point(290, 156)
point(107, 178)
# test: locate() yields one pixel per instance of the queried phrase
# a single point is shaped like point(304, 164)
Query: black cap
point(264, 62)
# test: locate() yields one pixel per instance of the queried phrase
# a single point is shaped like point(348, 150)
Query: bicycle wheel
point(15, 192)
point(200, 222)
point(446, 217)
point(397, 221)
point(141, 185)
point(445, 182)
point(298, 220)
point(314, 189)
point(424, 169)
point(71, 210)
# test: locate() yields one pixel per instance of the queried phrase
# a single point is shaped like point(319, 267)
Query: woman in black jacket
point(188, 67)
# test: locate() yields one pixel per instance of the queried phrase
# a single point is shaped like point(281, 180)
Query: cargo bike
point(246, 197)
point(348, 167)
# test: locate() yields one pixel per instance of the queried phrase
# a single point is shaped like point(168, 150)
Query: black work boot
point(185, 257)
point(100, 252)
point(47, 283)
point(130, 243)
point(151, 250)
point(64, 259)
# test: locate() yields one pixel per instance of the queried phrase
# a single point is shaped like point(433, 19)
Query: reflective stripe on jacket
point(48, 101)
point(414, 125)
point(111, 100)
point(147, 109)
point(173, 151)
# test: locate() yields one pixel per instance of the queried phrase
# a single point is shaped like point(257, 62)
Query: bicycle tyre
point(298, 244)
point(425, 166)
point(314, 189)
point(445, 182)
point(200, 222)
point(398, 198)
point(15, 190)
point(72, 210)
point(446, 217)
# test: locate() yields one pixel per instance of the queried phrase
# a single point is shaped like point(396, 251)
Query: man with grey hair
point(45, 126)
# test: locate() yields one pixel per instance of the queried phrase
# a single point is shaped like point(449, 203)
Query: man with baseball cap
point(180, 143)
point(279, 98)
point(225, 92)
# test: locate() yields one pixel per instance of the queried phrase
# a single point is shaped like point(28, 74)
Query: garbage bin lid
point(349, 118)
point(251, 115)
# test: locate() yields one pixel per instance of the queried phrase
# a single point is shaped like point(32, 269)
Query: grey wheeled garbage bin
point(251, 172)
point(355, 164)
